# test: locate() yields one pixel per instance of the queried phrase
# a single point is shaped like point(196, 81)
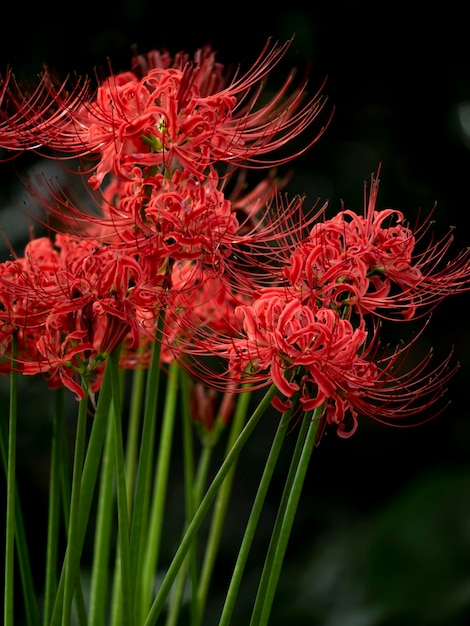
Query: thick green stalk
point(139, 522)
point(115, 609)
point(203, 467)
point(103, 536)
point(194, 487)
point(198, 488)
point(258, 607)
point(24, 564)
point(15, 530)
point(220, 509)
point(72, 562)
point(177, 595)
point(285, 518)
point(204, 507)
point(88, 482)
point(53, 526)
point(253, 520)
point(190, 564)
point(127, 580)
point(132, 438)
point(8, 612)
point(132, 446)
point(160, 487)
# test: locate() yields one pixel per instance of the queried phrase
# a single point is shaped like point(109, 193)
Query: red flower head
point(179, 115)
point(314, 353)
point(375, 263)
point(177, 217)
point(72, 302)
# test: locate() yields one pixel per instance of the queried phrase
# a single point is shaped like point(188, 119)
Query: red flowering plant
point(173, 269)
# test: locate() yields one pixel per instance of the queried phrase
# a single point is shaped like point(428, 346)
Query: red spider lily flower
point(177, 217)
point(75, 299)
point(329, 363)
point(54, 279)
point(283, 337)
point(164, 219)
point(45, 116)
point(64, 361)
point(170, 118)
point(199, 307)
point(373, 264)
point(165, 120)
point(118, 213)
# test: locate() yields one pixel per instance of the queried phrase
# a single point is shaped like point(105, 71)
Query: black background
point(383, 531)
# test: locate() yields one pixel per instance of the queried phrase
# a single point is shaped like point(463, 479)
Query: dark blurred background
point(382, 536)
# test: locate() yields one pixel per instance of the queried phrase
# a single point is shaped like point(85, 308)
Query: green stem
point(160, 487)
point(285, 518)
point(193, 490)
point(258, 607)
point(177, 597)
point(253, 520)
point(73, 555)
point(136, 402)
point(24, 564)
point(115, 610)
point(204, 507)
point(103, 534)
point(53, 527)
point(144, 469)
point(202, 473)
point(192, 499)
point(126, 578)
point(135, 412)
point(89, 476)
point(197, 490)
point(61, 463)
point(15, 530)
point(190, 504)
point(220, 509)
point(8, 611)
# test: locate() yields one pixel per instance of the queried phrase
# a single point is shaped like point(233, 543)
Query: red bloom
point(373, 264)
point(63, 360)
point(72, 302)
point(328, 362)
point(181, 116)
point(175, 217)
point(170, 118)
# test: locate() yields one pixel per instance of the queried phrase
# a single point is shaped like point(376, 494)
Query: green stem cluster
point(113, 491)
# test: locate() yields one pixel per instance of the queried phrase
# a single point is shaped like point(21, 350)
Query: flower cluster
point(170, 261)
point(165, 148)
point(317, 332)
point(164, 226)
